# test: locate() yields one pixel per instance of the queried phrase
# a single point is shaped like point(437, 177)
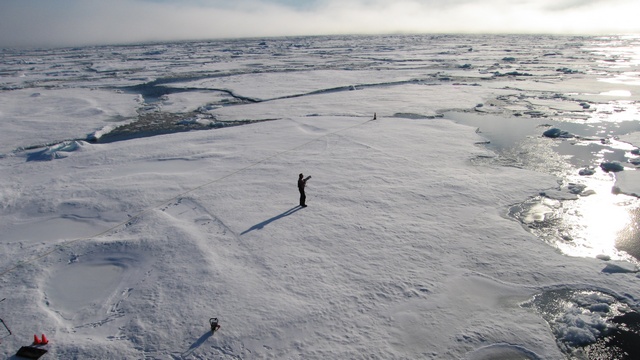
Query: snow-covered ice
point(43, 116)
point(126, 249)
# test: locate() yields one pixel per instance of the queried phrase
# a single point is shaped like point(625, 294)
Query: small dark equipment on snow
point(214, 325)
point(31, 352)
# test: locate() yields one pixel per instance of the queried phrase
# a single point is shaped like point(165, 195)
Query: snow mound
point(587, 172)
point(572, 191)
point(55, 152)
point(557, 133)
point(611, 166)
point(197, 120)
point(96, 135)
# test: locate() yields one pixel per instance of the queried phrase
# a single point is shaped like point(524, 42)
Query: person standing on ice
point(302, 182)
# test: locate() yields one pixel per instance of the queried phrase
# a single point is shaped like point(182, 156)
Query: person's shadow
point(197, 344)
point(267, 222)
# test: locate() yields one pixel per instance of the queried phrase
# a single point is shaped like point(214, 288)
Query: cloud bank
point(44, 23)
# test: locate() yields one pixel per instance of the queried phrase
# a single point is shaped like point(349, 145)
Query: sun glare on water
point(594, 224)
point(603, 223)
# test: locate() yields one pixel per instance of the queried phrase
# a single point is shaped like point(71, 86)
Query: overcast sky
point(43, 23)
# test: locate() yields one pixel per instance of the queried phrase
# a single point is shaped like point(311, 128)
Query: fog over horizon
point(56, 23)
